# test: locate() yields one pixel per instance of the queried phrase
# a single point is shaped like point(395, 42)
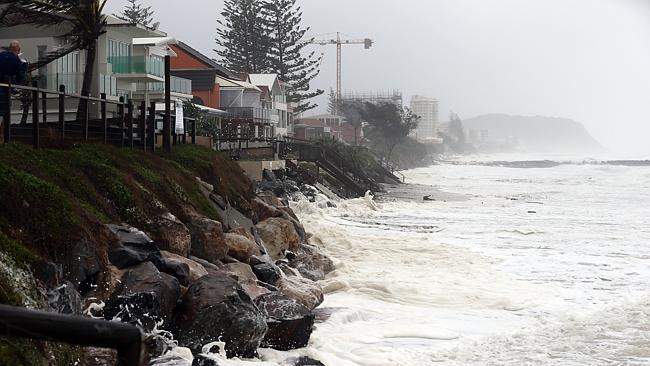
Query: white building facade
point(428, 111)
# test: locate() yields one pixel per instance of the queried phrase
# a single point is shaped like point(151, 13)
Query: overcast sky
point(588, 60)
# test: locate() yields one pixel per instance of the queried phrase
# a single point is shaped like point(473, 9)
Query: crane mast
point(367, 42)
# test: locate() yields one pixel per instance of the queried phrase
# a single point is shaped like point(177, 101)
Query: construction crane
point(367, 42)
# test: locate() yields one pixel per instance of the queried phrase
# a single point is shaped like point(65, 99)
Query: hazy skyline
point(587, 60)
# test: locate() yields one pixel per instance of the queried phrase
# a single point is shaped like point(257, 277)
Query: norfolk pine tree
point(136, 13)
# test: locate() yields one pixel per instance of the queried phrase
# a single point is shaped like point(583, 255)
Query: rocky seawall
point(179, 245)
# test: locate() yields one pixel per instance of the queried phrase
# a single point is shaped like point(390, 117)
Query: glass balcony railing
point(108, 85)
point(261, 114)
point(71, 81)
point(138, 65)
point(178, 85)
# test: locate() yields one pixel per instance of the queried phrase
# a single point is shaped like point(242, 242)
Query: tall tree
point(243, 41)
point(389, 123)
point(287, 55)
point(135, 13)
point(456, 128)
point(83, 21)
point(333, 103)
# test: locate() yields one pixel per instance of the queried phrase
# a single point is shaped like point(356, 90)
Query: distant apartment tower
point(428, 111)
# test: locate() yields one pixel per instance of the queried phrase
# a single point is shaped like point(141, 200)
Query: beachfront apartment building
point(130, 61)
point(428, 111)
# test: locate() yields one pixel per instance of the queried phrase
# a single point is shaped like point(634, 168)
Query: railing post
point(84, 122)
point(35, 126)
point(7, 114)
point(194, 132)
point(62, 112)
point(129, 119)
point(152, 126)
point(104, 117)
point(44, 104)
point(167, 120)
point(143, 125)
point(120, 113)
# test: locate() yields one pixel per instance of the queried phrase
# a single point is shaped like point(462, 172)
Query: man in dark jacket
point(12, 70)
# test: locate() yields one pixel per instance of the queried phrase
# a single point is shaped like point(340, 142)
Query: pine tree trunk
point(91, 54)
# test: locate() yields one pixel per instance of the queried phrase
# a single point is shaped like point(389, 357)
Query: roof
point(267, 80)
point(154, 41)
point(205, 59)
point(212, 111)
point(231, 83)
point(135, 29)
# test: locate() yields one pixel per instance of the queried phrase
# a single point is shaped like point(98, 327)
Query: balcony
point(73, 83)
point(249, 114)
point(178, 86)
point(138, 68)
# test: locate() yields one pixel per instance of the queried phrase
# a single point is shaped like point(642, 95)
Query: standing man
point(12, 70)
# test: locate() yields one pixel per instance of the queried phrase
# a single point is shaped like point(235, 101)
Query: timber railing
point(127, 339)
point(50, 122)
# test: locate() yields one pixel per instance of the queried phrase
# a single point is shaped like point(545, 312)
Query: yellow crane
point(367, 42)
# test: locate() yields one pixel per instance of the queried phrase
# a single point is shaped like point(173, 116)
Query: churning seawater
point(537, 266)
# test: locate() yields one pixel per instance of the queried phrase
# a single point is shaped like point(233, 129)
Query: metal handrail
point(128, 340)
point(53, 92)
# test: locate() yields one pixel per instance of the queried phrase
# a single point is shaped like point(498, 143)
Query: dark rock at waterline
point(134, 247)
point(82, 265)
point(267, 273)
point(169, 361)
point(216, 308)
point(202, 360)
point(311, 263)
point(176, 269)
point(280, 188)
point(304, 361)
point(65, 300)
point(290, 323)
point(145, 296)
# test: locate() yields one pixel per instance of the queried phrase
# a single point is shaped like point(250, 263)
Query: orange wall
point(209, 97)
point(185, 60)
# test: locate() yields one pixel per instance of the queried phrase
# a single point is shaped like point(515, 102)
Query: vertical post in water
point(62, 112)
point(167, 119)
point(104, 117)
point(35, 126)
point(7, 114)
point(143, 125)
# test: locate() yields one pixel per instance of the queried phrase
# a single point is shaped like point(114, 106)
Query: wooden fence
point(124, 128)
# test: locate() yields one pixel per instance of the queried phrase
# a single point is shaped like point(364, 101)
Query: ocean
point(509, 263)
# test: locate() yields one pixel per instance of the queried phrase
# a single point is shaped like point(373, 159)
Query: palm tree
point(84, 23)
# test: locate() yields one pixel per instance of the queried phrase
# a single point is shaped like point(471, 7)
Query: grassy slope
point(51, 198)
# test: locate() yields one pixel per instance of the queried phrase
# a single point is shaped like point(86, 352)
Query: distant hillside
point(536, 134)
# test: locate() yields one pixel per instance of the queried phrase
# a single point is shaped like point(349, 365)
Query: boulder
point(263, 210)
point(246, 278)
point(83, 265)
point(145, 296)
point(172, 235)
point(170, 361)
point(196, 270)
point(133, 247)
point(304, 361)
point(207, 238)
point(311, 263)
point(290, 323)
point(267, 272)
point(176, 269)
point(65, 300)
point(202, 360)
point(217, 309)
point(278, 235)
point(270, 199)
point(240, 247)
point(304, 291)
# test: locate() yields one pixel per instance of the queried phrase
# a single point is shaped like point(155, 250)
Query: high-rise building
point(428, 111)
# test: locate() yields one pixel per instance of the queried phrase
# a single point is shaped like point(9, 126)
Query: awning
point(212, 111)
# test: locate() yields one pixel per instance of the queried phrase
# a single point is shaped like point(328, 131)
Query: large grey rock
point(145, 297)
point(133, 247)
point(290, 323)
point(171, 234)
point(311, 263)
point(207, 239)
point(279, 235)
point(195, 269)
point(241, 247)
point(216, 308)
point(65, 300)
